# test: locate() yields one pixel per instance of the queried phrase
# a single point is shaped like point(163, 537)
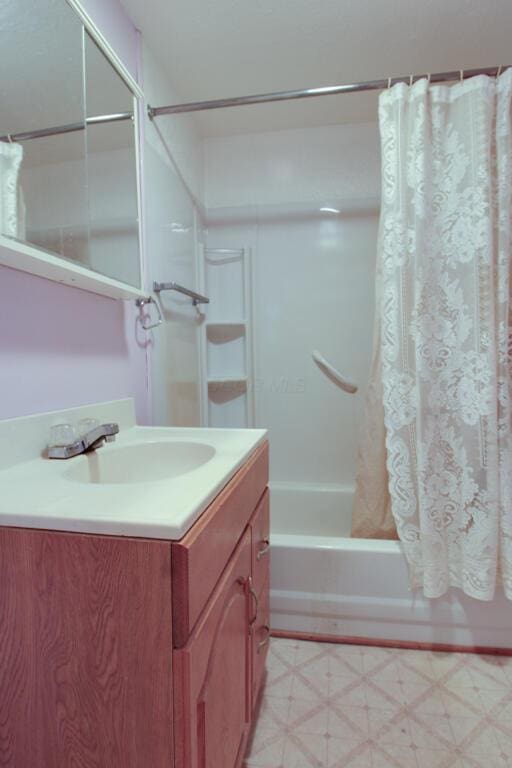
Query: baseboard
point(456, 623)
point(382, 643)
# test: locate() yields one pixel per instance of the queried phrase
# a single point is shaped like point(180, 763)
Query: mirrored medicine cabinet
point(69, 176)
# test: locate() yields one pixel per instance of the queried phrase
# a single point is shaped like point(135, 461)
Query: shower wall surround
point(297, 165)
point(313, 286)
point(173, 189)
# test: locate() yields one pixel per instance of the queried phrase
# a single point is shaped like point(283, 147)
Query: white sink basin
point(142, 463)
point(152, 482)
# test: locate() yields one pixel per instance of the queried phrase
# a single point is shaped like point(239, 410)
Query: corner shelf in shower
point(227, 380)
point(226, 338)
point(226, 324)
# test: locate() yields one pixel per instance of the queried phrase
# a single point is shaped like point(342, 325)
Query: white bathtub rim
point(341, 543)
point(301, 487)
point(358, 588)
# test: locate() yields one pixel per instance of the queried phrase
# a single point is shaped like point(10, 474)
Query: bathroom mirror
point(69, 189)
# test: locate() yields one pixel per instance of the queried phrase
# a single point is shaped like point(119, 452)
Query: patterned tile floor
point(344, 706)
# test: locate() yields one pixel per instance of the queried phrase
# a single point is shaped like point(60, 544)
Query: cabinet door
point(213, 675)
point(260, 632)
point(260, 524)
point(85, 661)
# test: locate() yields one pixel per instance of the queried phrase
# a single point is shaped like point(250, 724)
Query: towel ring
point(141, 303)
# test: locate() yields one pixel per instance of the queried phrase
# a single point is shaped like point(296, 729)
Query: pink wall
point(59, 346)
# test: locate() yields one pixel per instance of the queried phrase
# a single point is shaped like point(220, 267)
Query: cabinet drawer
point(212, 673)
point(260, 524)
point(260, 641)
point(202, 554)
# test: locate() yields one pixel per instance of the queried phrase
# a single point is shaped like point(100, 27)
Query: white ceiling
point(218, 48)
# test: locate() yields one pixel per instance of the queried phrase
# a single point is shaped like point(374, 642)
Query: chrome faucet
point(95, 438)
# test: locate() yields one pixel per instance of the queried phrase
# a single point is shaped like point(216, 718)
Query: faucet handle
point(62, 434)
point(86, 425)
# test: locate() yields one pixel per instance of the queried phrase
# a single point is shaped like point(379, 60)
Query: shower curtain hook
point(9, 138)
point(498, 73)
point(428, 78)
point(389, 83)
point(411, 80)
point(461, 75)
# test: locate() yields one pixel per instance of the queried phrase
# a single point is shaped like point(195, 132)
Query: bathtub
point(325, 583)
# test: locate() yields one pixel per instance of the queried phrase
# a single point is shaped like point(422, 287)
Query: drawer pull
point(265, 550)
point(265, 640)
point(256, 603)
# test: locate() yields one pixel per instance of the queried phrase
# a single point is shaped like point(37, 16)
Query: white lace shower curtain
point(441, 388)
point(11, 203)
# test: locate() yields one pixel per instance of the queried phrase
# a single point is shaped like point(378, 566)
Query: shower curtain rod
point(69, 128)
point(332, 90)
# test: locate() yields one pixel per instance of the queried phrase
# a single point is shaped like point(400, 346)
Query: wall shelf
point(226, 324)
point(226, 338)
point(228, 380)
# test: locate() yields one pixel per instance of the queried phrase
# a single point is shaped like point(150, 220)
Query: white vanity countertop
point(52, 494)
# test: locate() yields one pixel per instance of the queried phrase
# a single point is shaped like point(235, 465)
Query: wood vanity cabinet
point(122, 653)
